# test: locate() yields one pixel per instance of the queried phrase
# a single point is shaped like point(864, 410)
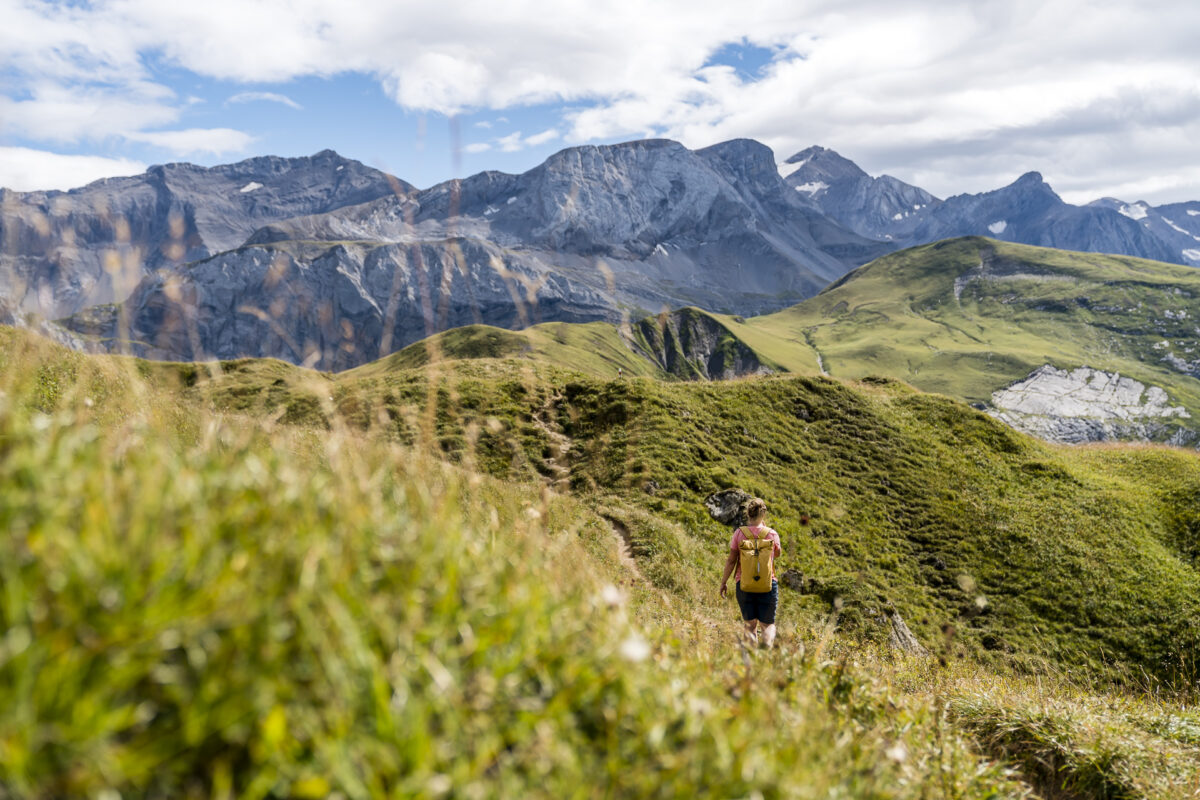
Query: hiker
point(755, 547)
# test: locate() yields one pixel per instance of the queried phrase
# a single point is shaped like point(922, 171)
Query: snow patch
point(510, 201)
point(340, 168)
point(1176, 227)
point(897, 216)
point(812, 187)
point(250, 187)
point(1135, 211)
point(490, 210)
point(786, 169)
point(1192, 255)
point(998, 227)
point(660, 250)
point(1192, 213)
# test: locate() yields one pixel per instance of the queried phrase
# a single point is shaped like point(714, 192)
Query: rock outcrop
point(728, 506)
point(900, 637)
point(1088, 405)
point(692, 345)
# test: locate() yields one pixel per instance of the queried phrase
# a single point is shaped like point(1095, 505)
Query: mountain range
point(1026, 211)
point(327, 262)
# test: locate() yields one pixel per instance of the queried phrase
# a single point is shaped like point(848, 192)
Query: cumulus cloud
point(477, 147)
point(268, 97)
point(957, 96)
point(24, 169)
point(541, 138)
point(196, 141)
point(511, 143)
point(62, 114)
point(516, 141)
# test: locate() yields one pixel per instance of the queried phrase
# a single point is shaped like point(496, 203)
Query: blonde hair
point(755, 508)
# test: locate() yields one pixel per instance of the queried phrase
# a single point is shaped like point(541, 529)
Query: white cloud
point(511, 143)
point(477, 147)
point(514, 141)
point(56, 113)
point(955, 96)
point(541, 138)
point(25, 170)
point(269, 97)
point(196, 141)
point(483, 123)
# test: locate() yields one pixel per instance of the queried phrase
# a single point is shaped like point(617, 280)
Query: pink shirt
point(763, 533)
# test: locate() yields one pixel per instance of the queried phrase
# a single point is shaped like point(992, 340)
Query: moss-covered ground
point(247, 579)
point(937, 317)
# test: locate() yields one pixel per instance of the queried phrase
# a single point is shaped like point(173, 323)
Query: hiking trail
point(556, 472)
point(556, 469)
point(625, 548)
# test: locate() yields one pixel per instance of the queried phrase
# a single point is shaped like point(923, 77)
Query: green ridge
point(899, 316)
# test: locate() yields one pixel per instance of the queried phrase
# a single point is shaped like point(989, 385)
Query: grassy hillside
point(596, 348)
point(1036, 555)
point(965, 317)
point(204, 605)
point(200, 600)
point(690, 344)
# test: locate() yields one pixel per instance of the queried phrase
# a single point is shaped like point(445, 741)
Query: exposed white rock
point(250, 187)
point(1087, 405)
point(1084, 392)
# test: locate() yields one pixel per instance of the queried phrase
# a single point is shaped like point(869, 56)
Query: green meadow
point(493, 576)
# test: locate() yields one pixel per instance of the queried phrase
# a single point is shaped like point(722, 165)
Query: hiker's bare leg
point(769, 635)
point(752, 630)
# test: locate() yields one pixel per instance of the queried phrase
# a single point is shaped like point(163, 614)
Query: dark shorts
point(758, 605)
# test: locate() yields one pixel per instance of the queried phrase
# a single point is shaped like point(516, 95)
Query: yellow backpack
point(757, 557)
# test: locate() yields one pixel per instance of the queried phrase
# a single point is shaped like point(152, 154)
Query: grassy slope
point(596, 348)
point(899, 317)
point(200, 605)
point(908, 492)
point(917, 501)
point(204, 693)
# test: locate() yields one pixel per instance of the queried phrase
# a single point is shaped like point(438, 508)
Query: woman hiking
point(756, 546)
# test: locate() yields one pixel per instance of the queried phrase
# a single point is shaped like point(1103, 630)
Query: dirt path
point(556, 466)
point(625, 548)
point(556, 472)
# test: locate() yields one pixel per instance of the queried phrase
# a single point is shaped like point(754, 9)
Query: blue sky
point(1100, 97)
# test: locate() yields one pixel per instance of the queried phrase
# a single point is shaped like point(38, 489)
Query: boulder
point(728, 506)
point(901, 638)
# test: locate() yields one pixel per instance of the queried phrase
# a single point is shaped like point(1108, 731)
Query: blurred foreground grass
point(206, 604)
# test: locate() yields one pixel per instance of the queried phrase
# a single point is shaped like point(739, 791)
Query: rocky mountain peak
point(818, 163)
point(1032, 181)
